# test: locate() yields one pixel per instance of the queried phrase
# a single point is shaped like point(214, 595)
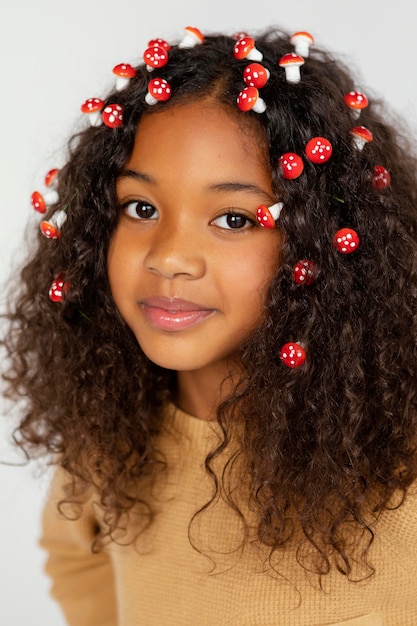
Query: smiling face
point(189, 267)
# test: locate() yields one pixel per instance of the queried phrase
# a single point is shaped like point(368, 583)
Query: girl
point(224, 371)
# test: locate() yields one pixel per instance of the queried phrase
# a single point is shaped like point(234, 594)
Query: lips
point(174, 314)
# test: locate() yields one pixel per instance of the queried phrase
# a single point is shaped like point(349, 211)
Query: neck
point(199, 393)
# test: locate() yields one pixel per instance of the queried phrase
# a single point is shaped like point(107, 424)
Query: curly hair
point(327, 446)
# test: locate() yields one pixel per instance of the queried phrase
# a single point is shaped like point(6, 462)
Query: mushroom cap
point(248, 98)
point(243, 48)
point(240, 35)
point(291, 59)
point(92, 105)
point(302, 35)
point(362, 133)
point(160, 89)
point(304, 272)
point(292, 354)
point(112, 115)
point(38, 202)
point(356, 100)
point(292, 165)
point(319, 150)
point(381, 178)
point(264, 217)
point(49, 230)
point(162, 43)
point(155, 56)
point(194, 32)
point(51, 177)
point(124, 70)
point(256, 75)
point(58, 288)
point(346, 240)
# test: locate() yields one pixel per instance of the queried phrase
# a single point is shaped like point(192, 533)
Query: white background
point(54, 55)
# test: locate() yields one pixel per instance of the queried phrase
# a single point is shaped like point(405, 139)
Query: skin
point(181, 191)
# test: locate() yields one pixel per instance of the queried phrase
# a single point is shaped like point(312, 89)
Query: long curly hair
point(326, 446)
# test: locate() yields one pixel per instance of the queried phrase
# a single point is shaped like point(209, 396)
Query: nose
point(175, 251)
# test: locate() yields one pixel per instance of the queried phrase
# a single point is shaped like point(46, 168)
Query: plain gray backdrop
point(54, 55)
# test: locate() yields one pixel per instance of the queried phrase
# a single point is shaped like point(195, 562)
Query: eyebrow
point(233, 186)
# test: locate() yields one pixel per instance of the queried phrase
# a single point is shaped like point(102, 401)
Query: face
point(188, 265)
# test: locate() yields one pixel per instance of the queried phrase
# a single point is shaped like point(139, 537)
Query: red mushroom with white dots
point(292, 165)
point(318, 150)
point(124, 72)
point(112, 115)
point(159, 90)
point(381, 178)
point(51, 178)
point(250, 100)
point(291, 63)
point(346, 240)
point(193, 37)
point(59, 287)
point(304, 272)
point(302, 41)
point(292, 354)
point(267, 216)
point(245, 49)
point(356, 101)
point(155, 57)
point(162, 43)
point(256, 75)
point(51, 228)
point(93, 107)
point(361, 136)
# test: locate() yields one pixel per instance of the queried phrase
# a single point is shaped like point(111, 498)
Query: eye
point(234, 221)
point(140, 210)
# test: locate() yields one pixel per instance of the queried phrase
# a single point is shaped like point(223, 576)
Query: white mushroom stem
point(292, 73)
point(50, 196)
point(95, 118)
point(58, 219)
point(189, 41)
point(275, 210)
point(122, 82)
point(149, 99)
point(259, 106)
point(302, 47)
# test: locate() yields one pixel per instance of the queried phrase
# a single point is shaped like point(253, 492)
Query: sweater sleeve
point(82, 580)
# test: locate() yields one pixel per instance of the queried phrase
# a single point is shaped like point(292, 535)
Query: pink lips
point(173, 314)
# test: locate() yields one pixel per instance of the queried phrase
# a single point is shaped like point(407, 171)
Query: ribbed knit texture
point(161, 580)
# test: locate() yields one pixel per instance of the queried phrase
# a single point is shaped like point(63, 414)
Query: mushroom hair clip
point(267, 216)
point(42, 201)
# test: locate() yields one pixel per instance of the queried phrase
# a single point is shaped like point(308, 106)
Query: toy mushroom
point(58, 288)
point(155, 57)
point(302, 42)
point(267, 216)
point(291, 63)
point(381, 178)
point(112, 116)
point(346, 240)
point(292, 165)
point(51, 177)
point(124, 72)
point(159, 90)
point(193, 37)
point(245, 49)
point(319, 150)
point(356, 101)
point(51, 228)
point(256, 75)
point(41, 202)
point(249, 100)
point(93, 107)
point(292, 354)
point(361, 136)
point(162, 43)
point(304, 272)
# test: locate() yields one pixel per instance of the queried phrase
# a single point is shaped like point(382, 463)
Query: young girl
point(224, 371)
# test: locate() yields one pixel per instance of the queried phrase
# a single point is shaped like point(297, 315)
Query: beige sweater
point(163, 581)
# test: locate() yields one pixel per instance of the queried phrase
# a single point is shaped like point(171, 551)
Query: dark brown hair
point(325, 445)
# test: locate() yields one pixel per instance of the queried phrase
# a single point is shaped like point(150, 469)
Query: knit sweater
point(162, 580)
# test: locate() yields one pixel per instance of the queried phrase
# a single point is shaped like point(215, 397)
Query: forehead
point(203, 131)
